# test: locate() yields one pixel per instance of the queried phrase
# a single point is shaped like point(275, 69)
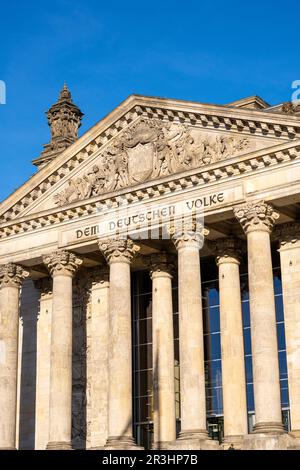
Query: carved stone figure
point(150, 149)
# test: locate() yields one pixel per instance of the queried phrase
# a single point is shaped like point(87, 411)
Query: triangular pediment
point(145, 139)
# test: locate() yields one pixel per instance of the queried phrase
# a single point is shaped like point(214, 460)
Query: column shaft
point(163, 359)
point(192, 376)
point(10, 281)
point(119, 254)
point(232, 344)
point(290, 273)
point(60, 411)
point(120, 353)
point(9, 312)
point(263, 333)
point(62, 265)
point(257, 219)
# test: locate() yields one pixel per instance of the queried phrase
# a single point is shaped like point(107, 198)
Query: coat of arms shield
point(140, 162)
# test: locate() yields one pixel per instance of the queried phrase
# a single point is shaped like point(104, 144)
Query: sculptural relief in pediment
point(151, 149)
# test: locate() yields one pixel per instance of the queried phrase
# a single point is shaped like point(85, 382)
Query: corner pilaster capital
point(100, 275)
point(227, 250)
point(45, 286)
point(188, 234)
point(288, 235)
point(118, 250)
point(12, 275)
point(62, 262)
point(161, 264)
point(256, 216)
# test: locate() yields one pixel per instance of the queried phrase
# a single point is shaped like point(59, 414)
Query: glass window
point(284, 389)
point(250, 397)
point(248, 366)
point(280, 336)
point(283, 365)
point(247, 341)
point(143, 306)
point(145, 331)
point(246, 313)
point(212, 346)
point(176, 325)
point(279, 308)
point(211, 320)
point(210, 295)
point(143, 383)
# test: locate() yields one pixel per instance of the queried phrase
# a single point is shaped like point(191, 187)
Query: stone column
point(289, 236)
point(228, 251)
point(257, 220)
point(43, 359)
point(164, 419)
point(62, 266)
point(11, 278)
point(192, 376)
point(119, 254)
point(97, 359)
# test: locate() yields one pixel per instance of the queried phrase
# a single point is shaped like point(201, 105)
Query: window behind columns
point(142, 349)
point(280, 339)
point(142, 357)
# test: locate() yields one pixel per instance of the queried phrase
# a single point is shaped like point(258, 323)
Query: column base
point(8, 448)
point(194, 440)
point(233, 442)
point(59, 445)
point(268, 428)
point(96, 448)
point(295, 436)
point(121, 443)
point(268, 441)
point(192, 434)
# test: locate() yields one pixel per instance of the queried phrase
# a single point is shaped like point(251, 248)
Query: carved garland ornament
point(63, 262)
point(148, 150)
point(190, 233)
point(122, 250)
point(12, 275)
point(256, 216)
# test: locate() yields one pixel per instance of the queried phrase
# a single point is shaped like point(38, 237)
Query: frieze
point(149, 150)
point(246, 164)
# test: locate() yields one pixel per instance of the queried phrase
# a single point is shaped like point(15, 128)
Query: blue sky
point(207, 51)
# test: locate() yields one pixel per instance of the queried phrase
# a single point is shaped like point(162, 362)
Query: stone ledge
point(267, 442)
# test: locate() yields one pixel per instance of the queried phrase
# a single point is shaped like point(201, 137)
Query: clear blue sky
point(208, 51)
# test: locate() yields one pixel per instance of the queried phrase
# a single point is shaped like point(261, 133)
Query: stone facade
point(71, 237)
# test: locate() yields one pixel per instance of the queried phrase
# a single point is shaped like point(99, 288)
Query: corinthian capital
point(226, 249)
point(254, 216)
point(62, 262)
point(118, 250)
point(161, 264)
point(190, 233)
point(12, 275)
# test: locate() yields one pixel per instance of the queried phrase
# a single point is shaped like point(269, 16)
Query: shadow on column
point(156, 409)
point(28, 316)
point(81, 286)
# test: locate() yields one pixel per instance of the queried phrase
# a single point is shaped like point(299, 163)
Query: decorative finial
point(65, 94)
point(64, 119)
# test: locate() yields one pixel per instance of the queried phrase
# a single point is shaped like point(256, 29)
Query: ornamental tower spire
point(64, 119)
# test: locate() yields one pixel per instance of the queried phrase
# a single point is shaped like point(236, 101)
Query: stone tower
point(64, 119)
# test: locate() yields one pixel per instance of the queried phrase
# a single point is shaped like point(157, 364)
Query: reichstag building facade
point(120, 331)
